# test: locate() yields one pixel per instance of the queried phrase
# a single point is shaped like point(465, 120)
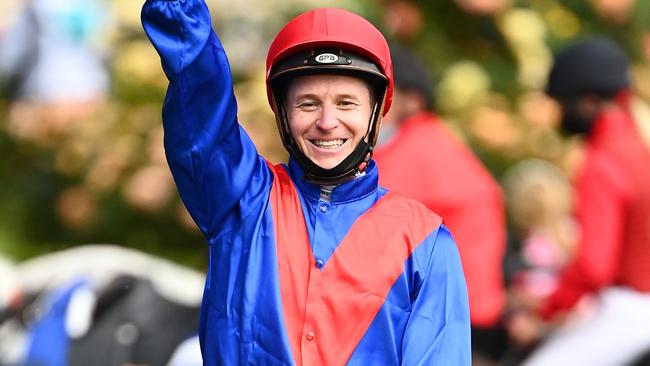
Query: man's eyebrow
point(347, 96)
point(337, 96)
point(306, 96)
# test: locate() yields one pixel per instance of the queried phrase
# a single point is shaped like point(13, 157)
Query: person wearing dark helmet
point(612, 262)
point(419, 157)
point(311, 263)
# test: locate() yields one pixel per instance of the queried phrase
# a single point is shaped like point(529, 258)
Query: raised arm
point(215, 165)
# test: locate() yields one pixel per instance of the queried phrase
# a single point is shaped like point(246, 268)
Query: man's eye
point(347, 104)
point(308, 106)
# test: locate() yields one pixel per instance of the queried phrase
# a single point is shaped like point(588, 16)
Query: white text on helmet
point(327, 58)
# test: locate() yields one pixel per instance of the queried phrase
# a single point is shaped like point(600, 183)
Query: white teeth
point(328, 143)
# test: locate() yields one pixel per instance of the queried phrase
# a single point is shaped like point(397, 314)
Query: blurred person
point(590, 80)
point(52, 53)
point(53, 69)
point(419, 157)
point(539, 199)
point(310, 263)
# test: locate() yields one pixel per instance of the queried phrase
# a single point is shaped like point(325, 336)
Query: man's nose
point(327, 119)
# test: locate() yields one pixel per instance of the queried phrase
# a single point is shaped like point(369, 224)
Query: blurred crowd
point(477, 96)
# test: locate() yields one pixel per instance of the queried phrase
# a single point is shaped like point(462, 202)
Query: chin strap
point(353, 164)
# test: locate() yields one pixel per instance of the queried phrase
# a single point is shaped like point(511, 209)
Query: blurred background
point(81, 156)
point(81, 90)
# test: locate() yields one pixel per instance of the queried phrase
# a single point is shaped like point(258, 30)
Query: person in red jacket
point(419, 157)
point(612, 261)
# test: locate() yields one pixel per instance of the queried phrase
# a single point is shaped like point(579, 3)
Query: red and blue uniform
point(450, 180)
point(363, 277)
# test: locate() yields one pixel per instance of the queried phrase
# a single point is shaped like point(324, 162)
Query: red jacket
point(613, 210)
point(426, 162)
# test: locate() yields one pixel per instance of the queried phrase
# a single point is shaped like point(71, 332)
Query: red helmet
point(333, 41)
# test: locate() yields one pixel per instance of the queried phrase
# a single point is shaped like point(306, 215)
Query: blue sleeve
point(220, 177)
point(438, 330)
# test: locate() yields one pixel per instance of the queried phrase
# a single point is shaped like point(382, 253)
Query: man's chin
point(326, 164)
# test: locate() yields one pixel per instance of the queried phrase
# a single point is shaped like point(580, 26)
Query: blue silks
point(421, 319)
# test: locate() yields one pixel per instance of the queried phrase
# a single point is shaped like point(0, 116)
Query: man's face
point(328, 115)
point(579, 113)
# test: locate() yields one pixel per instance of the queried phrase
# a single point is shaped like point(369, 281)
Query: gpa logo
point(326, 58)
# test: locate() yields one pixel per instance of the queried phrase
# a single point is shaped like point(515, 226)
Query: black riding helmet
point(594, 67)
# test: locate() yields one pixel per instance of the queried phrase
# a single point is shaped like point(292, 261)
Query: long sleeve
point(438, 330)
point(452, 182)
point(215, 165)
point(602, 190)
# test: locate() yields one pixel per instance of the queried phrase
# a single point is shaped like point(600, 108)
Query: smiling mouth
point(328, 144)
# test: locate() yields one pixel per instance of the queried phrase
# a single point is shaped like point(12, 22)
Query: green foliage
point(38, 170)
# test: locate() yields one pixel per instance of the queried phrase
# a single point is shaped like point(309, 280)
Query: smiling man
point(311, 263)
point(329, 116)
